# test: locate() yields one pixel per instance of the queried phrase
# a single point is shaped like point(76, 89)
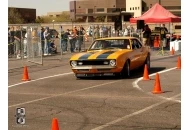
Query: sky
point(41, 6)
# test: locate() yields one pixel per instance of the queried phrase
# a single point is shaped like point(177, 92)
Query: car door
point(143, 53)
point(136, 54)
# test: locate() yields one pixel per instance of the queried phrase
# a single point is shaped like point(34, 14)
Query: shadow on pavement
point(134, 74)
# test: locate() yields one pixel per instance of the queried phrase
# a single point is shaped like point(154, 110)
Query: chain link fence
point(24, 44)
point(31, 47)
point(33, 44)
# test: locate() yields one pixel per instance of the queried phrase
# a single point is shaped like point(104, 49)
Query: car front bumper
point(95, 70)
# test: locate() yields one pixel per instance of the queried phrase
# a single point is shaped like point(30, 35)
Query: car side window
point(126, 44)
point(136, 44)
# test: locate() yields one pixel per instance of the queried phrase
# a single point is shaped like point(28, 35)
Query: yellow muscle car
point(111, 56)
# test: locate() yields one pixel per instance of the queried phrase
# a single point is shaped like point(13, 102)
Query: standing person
point(17, 42)
point(96, 32)
point(64, 40)
point(12, 45)
point(9, 41)
point(35, 42)
point(42, 40)
point(101, 31)
point(163, 31)
point(74, 37)
point(146, 35)
point(82, 28)
point(80, 34)
point(72, 40)
point(47, 42)
point(25, 45)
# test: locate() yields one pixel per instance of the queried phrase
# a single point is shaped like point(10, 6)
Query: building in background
point(88, 10)
point(56, 14)
point(134, 7)
point(28, 14)
point(174, 6)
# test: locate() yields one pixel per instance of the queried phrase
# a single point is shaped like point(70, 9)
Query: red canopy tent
point(157, 14)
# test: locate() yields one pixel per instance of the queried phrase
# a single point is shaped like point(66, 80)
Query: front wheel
point(126, 70)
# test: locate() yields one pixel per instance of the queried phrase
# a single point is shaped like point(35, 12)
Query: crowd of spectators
point(71, 40)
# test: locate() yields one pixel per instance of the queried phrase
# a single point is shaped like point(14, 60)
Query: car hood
point(102, 54)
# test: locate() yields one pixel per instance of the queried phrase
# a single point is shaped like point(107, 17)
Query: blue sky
point(41, 6)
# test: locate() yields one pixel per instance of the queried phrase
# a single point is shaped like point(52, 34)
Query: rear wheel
point(147, 62)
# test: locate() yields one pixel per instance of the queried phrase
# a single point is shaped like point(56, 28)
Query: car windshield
point(110, 44)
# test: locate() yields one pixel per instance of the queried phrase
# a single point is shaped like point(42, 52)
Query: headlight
point(73, 63)
point(113, 62)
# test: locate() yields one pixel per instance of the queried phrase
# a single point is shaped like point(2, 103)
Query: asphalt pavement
point(160, 110)
point(50, 63)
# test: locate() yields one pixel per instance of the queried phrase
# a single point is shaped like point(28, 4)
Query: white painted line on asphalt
point(142, 110)
point(135, 84)
point(40, 79)
point(40, 99)
point(133, 114)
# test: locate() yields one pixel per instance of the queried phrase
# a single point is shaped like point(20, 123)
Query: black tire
point(147, 62)
point(126, 73)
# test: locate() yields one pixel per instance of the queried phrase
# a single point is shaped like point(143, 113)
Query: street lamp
point(53, 23)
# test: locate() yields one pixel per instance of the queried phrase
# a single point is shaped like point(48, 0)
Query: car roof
point(111, 38)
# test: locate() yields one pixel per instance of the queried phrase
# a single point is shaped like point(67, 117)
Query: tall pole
point(72, 23)
point(53, 23)
point(159, 1)
point(94, 13)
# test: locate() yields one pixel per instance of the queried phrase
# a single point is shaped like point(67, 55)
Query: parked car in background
point(112, 56)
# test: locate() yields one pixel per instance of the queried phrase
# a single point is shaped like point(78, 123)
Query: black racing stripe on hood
point(85, 56)
point(105, 55)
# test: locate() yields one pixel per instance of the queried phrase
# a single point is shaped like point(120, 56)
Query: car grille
point(103, 69)
point(93, 62)
point(83, 70)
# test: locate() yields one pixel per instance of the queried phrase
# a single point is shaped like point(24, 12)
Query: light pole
point(94, 12)
point(94, 9)
point(72, 23)
point(53, 23)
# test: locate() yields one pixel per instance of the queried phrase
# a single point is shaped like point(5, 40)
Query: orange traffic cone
point(25, 74)
point(55, 125)
point(157, 87)
point(172, 51)
point(146, 75)
point(179, 63)
point(156, 42)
